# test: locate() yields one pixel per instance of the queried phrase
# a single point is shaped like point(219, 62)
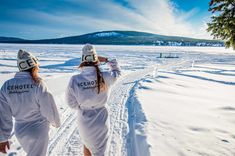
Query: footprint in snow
point(228, 108)
point(148, 81)
point(198, 129)
point(225, 140)
point(12, 154)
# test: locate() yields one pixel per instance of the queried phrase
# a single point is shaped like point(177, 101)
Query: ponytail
point(100, 80)
point(34, 74)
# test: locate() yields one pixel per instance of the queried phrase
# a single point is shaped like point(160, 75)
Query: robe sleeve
point(70, 95)
point(47, 105)
point(6, 123)
point(115, 71)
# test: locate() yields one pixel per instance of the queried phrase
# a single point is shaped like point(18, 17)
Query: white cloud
point(156, 16)
point(164, 18)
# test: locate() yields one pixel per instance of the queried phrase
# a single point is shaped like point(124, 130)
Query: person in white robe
point(88, 93)
point(26, 98)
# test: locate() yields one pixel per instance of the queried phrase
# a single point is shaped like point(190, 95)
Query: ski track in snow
point(136, 63)
point(119, 118)
point(67, 141)
point(64, 133)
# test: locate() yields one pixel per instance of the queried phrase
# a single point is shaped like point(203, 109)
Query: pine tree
point(222, 25)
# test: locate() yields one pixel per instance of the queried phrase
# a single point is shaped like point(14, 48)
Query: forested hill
point(121, 38)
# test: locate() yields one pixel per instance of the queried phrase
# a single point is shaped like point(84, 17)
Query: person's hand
point(114, 65)
point(3, 146)
point(103, 59)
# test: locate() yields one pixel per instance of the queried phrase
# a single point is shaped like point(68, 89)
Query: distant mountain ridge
point(121, 38)
point(10, 39)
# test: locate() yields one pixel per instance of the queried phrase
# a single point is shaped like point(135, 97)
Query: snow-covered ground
point(160, 106)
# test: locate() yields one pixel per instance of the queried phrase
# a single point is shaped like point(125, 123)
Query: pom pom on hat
point(89, 53)
point(26, 60)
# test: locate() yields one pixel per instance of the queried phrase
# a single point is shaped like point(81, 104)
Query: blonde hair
point(34, 74)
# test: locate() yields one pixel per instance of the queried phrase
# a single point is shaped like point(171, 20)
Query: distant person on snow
point(26, 98)
point(88, 93)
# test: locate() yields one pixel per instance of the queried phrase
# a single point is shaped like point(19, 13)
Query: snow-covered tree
point(222, 25)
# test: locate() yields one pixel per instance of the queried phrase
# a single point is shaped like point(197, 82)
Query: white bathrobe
point(93, 118)
point(33, 108)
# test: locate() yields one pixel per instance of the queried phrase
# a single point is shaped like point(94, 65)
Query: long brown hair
point(100, 80)
point(34, 74)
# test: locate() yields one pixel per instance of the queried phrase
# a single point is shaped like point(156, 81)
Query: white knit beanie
point(89, 53)
point(25, 60)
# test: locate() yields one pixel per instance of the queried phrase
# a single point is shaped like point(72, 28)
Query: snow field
point(187, 112)
point(160, 106)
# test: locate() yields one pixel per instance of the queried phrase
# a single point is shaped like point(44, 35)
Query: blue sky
point(38, 19)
